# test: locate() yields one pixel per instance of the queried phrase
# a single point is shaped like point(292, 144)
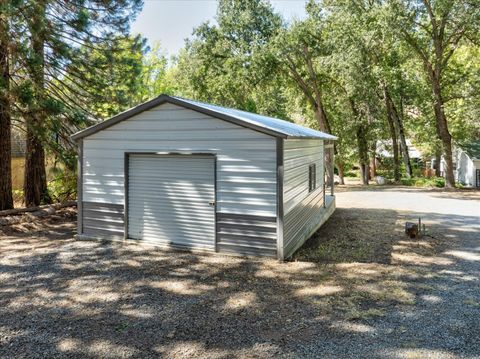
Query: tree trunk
point(362, 144)
point(324, 126)
point(438, 160)
point(393, 133)
point(363, 152)
point(321, 117)
point(443, 132)
point(35, 184)
point(401, 137)
point(6, 198)
point(341, 171)
point(373, 164)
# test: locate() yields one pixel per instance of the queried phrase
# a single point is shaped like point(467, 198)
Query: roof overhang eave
point(327, 137)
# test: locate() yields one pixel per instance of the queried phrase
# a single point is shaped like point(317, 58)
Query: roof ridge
point(265, 124)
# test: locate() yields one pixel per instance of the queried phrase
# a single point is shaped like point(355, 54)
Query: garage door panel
point(172, 196)
point(168, 200)
point(180, 217)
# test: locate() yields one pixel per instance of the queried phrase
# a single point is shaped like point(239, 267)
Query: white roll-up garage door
point(170, 199)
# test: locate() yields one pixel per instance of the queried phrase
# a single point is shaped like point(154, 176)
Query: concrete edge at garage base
point(86, 237)
point(330, 206)
point(170, 247)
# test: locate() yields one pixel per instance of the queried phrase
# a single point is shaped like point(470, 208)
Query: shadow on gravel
point(64, 298)
point(374, 235)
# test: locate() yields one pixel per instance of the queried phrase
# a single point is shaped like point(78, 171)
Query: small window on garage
point(312, 177)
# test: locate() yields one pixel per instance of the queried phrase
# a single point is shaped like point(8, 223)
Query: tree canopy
point(370, 72)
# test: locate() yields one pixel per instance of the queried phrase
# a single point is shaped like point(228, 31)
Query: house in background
point(466, 163)
point(384, 150)
point(176, 172)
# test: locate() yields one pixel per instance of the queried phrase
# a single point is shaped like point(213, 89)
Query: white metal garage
point(179, 172)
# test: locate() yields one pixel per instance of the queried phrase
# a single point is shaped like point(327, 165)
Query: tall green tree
point(157, 77)
point(52, 33)
point(435, 29)
point(116, 84)
point(6, 198)
point(358, 29)
point(228, 64)
point(35, 180)
point(299, 52)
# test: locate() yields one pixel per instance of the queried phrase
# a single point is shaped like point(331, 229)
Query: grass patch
point(341, 251)
point(358, 314)
point(352, 235)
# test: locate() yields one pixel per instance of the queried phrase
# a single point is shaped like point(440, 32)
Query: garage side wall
point(302, 207)
point(245, 179)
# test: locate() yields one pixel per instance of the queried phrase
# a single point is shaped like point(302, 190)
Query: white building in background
point(384, 150)
point(466, 163)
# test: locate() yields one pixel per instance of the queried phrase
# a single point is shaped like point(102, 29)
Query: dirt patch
point(367, 236)
point(30, 227)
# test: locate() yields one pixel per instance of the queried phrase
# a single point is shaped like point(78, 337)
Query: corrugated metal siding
point(248, 235)
point(103, 219)
point(246, 160)
point(168, 201)
point(301, 207)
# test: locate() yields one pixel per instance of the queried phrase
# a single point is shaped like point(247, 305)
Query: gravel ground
point(63, 298)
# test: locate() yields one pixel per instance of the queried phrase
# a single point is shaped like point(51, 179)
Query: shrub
point(63, 186)
point(424, 182)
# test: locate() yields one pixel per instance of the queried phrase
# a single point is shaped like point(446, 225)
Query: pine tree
point(51, 34)
point(6, 198)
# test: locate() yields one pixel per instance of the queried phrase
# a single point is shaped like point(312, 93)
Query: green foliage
point(63, 186)
point(117, 83)
point(58, 55)
point(156, 77)
point(229, 63)
point(424, 182)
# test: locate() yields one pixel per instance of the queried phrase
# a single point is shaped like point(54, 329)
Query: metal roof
point(268, 125)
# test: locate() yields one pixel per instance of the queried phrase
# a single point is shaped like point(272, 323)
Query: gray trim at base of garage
point(235, 233)
point(249, 235)
point(246, 234)
point(85, 237)
point(103, 219)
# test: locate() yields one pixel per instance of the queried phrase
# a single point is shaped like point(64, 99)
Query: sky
point(172, 21)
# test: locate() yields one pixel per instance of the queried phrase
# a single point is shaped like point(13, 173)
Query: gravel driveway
point(62, 298)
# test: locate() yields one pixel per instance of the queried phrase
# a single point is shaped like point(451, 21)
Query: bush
point(63, 187)
point(424, 182)
point(351, 174)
